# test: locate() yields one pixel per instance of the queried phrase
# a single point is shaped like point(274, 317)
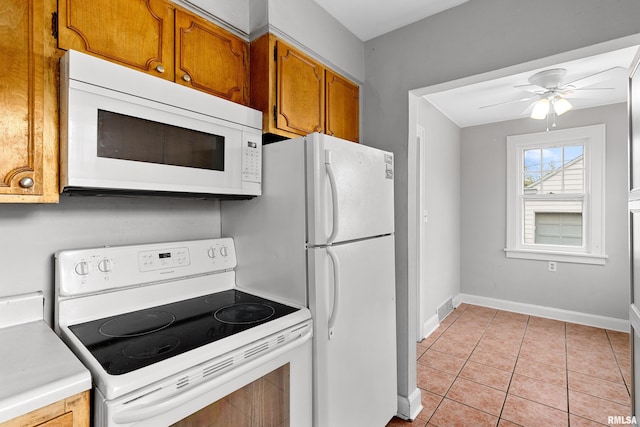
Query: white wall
point(441, 239)
point(309, 26)
point(31, 234)
point(303, 22)
point(591, 289)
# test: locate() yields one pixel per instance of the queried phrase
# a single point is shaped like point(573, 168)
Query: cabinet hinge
point(54, 25)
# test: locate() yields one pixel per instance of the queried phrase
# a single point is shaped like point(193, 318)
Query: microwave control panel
point(252, 160)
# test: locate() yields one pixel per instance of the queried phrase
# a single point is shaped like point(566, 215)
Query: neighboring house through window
point(555, 195)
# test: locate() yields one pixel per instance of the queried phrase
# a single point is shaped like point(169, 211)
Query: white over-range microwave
point(125, 132)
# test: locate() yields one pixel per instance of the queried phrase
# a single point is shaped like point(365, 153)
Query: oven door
point(115, 141)
point(273, 389)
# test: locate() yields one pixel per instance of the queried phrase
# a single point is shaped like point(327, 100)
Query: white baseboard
point(604, 322)
point(409, 407)
point(430, 325)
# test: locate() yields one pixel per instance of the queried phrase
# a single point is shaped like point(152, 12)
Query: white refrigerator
point(322, 235)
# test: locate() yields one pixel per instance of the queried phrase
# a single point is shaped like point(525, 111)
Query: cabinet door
point(342, 107)
point(27, 159)
point(65, 420)
point(210, 59)
point(134, 33)
point(300, 92)
point(70, 412)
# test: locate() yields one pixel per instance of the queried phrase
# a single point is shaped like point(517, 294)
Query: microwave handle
point(161, 406)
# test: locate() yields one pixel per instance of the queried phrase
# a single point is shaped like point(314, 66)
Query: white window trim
point(593, 250)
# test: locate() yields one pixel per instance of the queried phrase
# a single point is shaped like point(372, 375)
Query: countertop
point(36, 367)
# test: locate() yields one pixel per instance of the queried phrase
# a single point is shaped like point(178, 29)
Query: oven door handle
point(154, 408)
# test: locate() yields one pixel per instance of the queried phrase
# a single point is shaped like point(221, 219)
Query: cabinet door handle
point(160, 68)
point(26, 182)
point(186, 77)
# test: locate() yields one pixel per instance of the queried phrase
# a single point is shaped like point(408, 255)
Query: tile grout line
point(566, 371)
point(514, 370)
point(527, 328)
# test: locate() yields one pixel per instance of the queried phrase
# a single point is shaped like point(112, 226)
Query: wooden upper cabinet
point(288, 87)
point(28, 101)
point(342, 107)
point(300, 91)
point(291, 90)
point(134, 33)
point(211, 59)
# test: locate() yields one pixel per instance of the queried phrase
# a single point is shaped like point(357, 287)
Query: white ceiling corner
point(367, 19)
point(467, 105)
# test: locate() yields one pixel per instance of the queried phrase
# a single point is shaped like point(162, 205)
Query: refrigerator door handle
point(336, 290)
point(334, 196)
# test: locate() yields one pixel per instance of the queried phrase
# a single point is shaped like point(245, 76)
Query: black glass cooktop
point(131, 341)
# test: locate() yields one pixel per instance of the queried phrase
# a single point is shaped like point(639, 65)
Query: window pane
point(558, 228)
point(555, 170)
point(531, 170)
point(552, 222)
point(551, 158)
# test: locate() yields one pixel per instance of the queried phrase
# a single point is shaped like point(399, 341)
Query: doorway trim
point(415, 170)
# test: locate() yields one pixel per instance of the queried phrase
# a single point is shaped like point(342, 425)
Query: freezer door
point(351, 190)
point(352, 300)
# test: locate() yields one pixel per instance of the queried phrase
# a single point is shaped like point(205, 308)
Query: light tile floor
point(486, 367)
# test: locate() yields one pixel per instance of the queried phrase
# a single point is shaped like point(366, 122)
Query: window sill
point(577, 258)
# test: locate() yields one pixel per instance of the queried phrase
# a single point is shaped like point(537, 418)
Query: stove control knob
point(224, 251)
point(82, 268)
point(104, 265)
point(211, 252)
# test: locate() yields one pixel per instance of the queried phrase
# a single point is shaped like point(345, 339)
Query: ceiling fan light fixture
point(540, 109)
point(561, 105)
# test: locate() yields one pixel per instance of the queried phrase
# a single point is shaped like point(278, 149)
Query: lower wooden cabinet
point(28, 101)
point(71, 412)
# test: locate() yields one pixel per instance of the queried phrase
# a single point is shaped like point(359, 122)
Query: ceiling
point(467, 105)
point(475, 104)
point(367, 19)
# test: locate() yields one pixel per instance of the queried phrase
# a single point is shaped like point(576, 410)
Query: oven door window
point(264, 402)
point(131, 138)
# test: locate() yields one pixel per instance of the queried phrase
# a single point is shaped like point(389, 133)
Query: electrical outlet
point(553, 266)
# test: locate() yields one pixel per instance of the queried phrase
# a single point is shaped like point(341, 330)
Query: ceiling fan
point(550, 93)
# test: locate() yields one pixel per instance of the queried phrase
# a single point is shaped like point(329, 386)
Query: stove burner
point(136, 324)
point(244, 313)
point(150, 346)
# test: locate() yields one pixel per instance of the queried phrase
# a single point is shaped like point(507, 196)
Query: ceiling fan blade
point(528, 87)
point(592, 88)
point(515, 101)
point(572, 83)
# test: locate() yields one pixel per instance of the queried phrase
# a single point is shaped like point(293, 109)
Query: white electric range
point(167, 334)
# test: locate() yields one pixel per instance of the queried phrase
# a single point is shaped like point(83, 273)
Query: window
point(555, 195)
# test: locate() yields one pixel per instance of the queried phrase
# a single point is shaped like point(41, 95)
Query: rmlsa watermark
point(622, 419)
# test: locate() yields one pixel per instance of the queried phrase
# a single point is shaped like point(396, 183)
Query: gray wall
point(31, 234)
point(310, 26)
point(441, 239)
point(476, 37)
point(593, 289)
